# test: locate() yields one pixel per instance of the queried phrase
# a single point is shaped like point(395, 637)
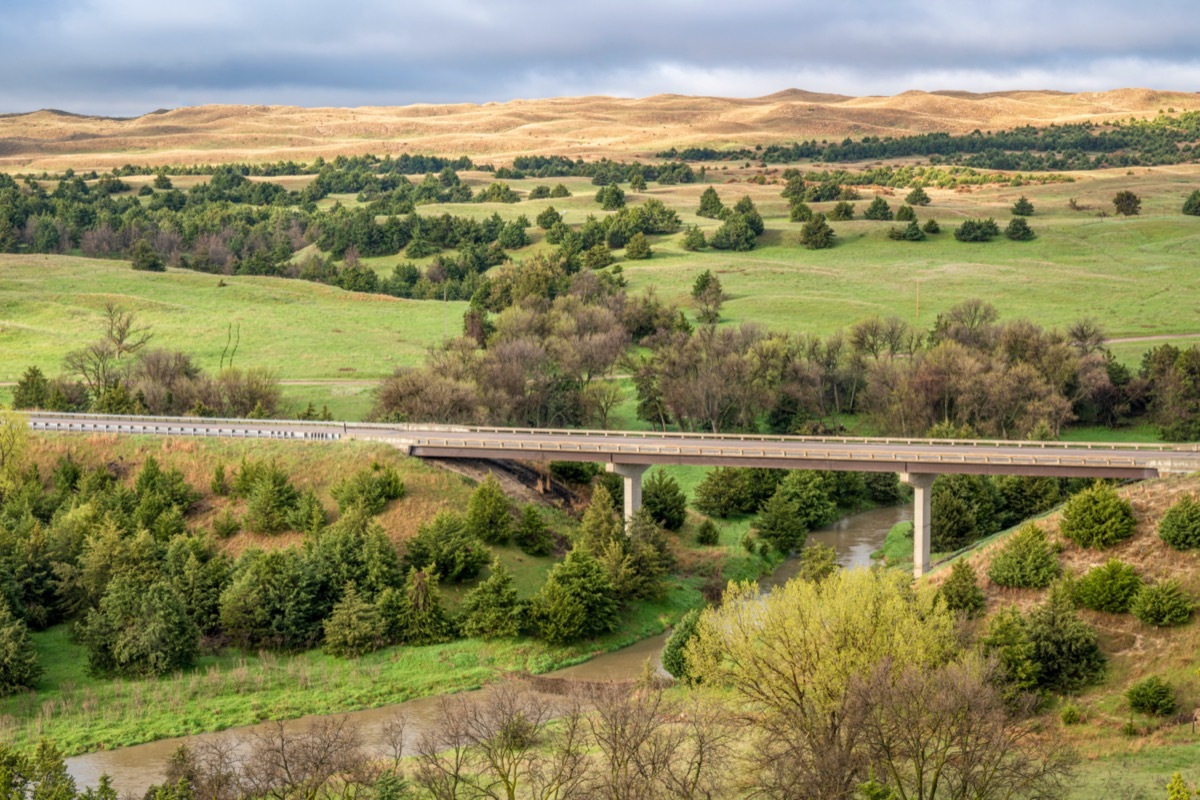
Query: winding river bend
point(134, 769)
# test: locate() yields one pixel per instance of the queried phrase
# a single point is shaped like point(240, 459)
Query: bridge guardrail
point(348, 428)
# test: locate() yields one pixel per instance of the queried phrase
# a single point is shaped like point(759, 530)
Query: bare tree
point(286, 765)
point(948, 733)
point(122, 332)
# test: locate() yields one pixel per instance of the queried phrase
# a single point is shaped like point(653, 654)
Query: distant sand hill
point(576, 126)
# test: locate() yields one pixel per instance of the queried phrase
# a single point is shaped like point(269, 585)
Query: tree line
point(1166, 139)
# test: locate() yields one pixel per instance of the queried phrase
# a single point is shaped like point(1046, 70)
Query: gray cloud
point(131, 56)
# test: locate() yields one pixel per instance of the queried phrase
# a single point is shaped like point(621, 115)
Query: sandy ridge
point(576, 126)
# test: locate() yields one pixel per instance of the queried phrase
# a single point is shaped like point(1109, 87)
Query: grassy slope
point(1135, 651)
point(234, 688)
point(50, 305)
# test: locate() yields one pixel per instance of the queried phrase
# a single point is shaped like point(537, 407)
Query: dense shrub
point(355, 627)
point(1162, 604)
point(1152, 696)
point(1022, 208)
point(369, 488)
point(445, 544)
point(492, 610)
point(1191, 206)
point(1097, 517)
point(489, 513)
point(638, 247)
point(1109, 588)
point(906, 214)
point(19, 668)
point(665, 501)
point(674, 658)
point(1025, 561)
point(1180, 526)
point(961, 590)
point(931, 227)
point(576, 602)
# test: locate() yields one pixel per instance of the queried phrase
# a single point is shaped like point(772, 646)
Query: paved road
point(917, 456)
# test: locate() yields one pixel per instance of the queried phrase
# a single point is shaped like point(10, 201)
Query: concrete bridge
point(631, 453)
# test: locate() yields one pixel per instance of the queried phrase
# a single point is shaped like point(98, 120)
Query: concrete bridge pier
point(632, 473)
point(921, 483)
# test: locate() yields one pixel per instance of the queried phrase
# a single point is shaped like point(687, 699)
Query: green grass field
point(51, 305)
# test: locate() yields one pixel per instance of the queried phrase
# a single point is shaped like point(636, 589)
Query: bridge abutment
point(632, 473)
point(921, 483)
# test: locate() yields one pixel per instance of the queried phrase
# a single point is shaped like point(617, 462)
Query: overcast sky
point(128, 57)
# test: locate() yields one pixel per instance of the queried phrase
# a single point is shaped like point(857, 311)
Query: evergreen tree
point(913, 232)
point(1127, 203)
point(1025, 561)
point(598, 256)
point(576, 602)
point(961, 590)
point(816, 233)
point(600, 523)
point(371, 488)
point(693, 239)
point(144, 258)
point(708, 534)
point(735, 234)
point(917, 197)
point(638, 248)
point(19, 668)
point(1191, 206)
point(841, 212)
point(1180, 526)
point(637, 183)
point(492, 610)
point(931, 226)
point(489, 513)
point(664, 500)
point(355, 627)
point(878, 210)
point(710, 204)
point(780, 524)
point(809, 490)
point(1018, 230)
point(905, 214)
point(610, 197)
point(749, 212)
point(444, 543)
point(532, 534)
point(422, 619)
point(800, 211)
point(139, 630)
point(1097, 517)
point(549, 218)
point(1064, 647)
point(559, 191)
point(1110, 588)
point(32, 391)
point(1022, 208)
point(1162, 604)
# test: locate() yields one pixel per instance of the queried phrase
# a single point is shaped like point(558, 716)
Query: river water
point(134, 769)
